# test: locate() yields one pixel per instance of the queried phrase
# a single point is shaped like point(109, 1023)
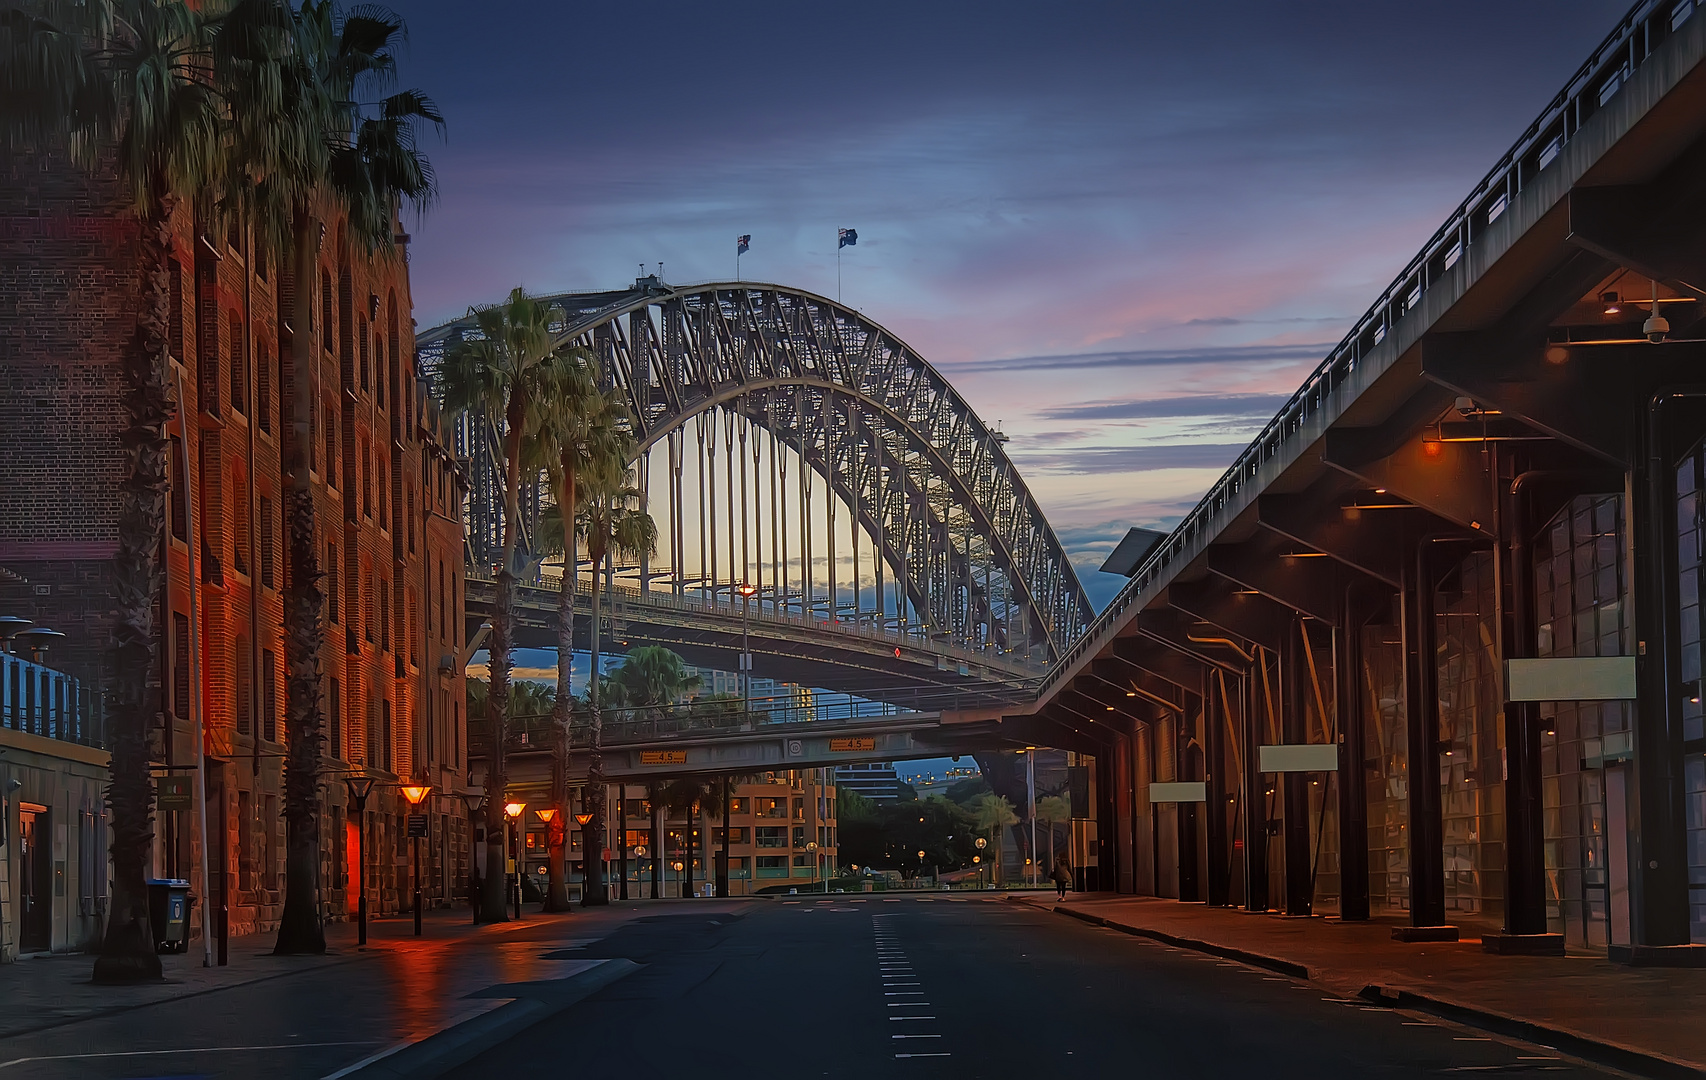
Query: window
point(263, 387)
point(332, 450)
point(772, 836)
point(326, 338)
point(772, 866)
point(366, 467)
point(335, 718)
point(799, 809)
point(384, 754)
point(269, 696)
point(331, 583)
point(409, 516)
point(414, 659)
point(384, 616)
point(266, 542)
point(799, 836)
point(441, 626)
point(361, 334)
point(804, 861)
point(772, 808)
point(269, 842)
point(207, 338)
point(740, 804)
point(175, 316)
point(239, 354)
point(180, 505)
point(367, 599)
point(240, 527)
point(181, 665)
point(245, 687)
point(737, 835)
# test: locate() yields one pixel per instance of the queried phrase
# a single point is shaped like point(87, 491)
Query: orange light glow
point(514, 809)
point(1432, 448)
point(583, 818)
point(547, 815)
point(415, 793)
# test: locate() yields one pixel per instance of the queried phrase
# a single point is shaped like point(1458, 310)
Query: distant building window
point(772, 836)
point(269, 696)
point(263, 387)
point(335, 717)
point(181, 665)
point(326, 338)
point(180, 507)
point(772, 866)
point(238, 352)
point(245, 687)
point(740, 804)
point(267, 530)
point(331, 583)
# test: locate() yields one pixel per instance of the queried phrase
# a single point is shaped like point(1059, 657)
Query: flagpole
point(838, 266)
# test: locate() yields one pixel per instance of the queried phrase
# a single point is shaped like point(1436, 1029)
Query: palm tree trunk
point(300, 929)
point(592, 835)
point(556, 884)
point(127, 948)
point(493, 907)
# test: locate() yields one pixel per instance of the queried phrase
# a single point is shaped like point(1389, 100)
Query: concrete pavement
point(1647, 1020)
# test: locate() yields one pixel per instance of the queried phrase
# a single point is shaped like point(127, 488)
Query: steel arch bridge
point(797, 391)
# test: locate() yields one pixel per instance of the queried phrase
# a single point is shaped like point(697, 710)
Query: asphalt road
point(946, 987)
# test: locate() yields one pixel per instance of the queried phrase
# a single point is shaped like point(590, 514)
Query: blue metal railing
point(39, 700)
point(1593, 85)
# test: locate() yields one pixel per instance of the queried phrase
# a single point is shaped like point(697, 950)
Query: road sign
point(175, 793)
point(663, 757)
point(418, 825)
point(796, 748)
point(853, 745)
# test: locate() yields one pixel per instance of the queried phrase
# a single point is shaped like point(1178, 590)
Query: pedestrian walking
point(1062, 875)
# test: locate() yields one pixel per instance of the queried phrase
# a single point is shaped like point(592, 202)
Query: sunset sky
point(1125, 231)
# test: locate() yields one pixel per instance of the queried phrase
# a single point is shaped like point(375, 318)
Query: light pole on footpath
point(416, 793)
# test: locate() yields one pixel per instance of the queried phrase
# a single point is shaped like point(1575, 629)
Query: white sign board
point(1298, 757)
point(1179, 791)
point(1571, 678)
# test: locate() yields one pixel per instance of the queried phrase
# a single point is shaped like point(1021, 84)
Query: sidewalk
point(1646, 1020)
point(310, 1016)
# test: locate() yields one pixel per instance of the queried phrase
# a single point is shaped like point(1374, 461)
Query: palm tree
point(130, 76)
point(495, 379)
point(577, 429)
point(613, 524)
point(298, 84)
point(992, 814)
point(1051, 811)
point(652, 677)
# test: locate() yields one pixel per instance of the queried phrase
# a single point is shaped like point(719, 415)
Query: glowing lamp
point(415, 793)
point(513, 809)
point(583, 818)
point(747, 589)
point(547, 815)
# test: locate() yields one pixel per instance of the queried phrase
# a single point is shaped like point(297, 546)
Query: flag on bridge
point(742, 243)
point(846, 238)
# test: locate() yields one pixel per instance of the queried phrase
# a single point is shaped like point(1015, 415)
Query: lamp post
point(640, 866)
point(360, 787)
point(921, 865)
point(981, 844)
point(473, 800)
point(513, 810)
point(549, 817)
point(746, 594)
point(415, 793)
point(811, 846)
point(582, 819)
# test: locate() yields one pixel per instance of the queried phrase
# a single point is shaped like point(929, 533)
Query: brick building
point(389, 529)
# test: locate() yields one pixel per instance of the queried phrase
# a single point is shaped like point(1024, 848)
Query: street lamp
point(812, 847)
point(473, 800)
point(360, 787)
point(981, 844)
point(416, 793)
point(512, 810)
point(746, 593)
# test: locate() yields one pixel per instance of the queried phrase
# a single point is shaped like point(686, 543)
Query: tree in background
point(1051, 811)
point(613, 523)
point(494, 379)
point(992, 814)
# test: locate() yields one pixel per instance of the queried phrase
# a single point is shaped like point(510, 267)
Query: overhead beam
point(1374, 548)
point(1628, 225)
point(1306, 586)
point(1240, 612)
point(1449, 479)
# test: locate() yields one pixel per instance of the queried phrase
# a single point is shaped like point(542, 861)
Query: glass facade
point(1386, 770)
point(1580, 585)
point(1691, 557)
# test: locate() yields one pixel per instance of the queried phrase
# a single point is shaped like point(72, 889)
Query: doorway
point(35, 879)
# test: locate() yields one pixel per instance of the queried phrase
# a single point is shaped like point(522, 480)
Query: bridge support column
point(1256, 804)
point(1294, 786)
point(1107, 833)
point(1125, 811)
point(1658, 856)
point(1188, 742)
point(1215, 721)
point(1352, 780)
point(1421, 714)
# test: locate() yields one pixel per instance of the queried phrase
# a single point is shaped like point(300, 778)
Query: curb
point(1225, 952)
point(465, 1038)
point(1599, 1051)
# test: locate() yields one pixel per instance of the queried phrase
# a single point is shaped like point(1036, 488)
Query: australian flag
point(742, 243)
point(847, 238)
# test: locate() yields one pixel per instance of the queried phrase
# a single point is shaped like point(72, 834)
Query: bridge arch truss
point(798, 394)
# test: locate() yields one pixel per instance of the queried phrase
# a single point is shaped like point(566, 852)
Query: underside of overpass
point(1312, 695)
